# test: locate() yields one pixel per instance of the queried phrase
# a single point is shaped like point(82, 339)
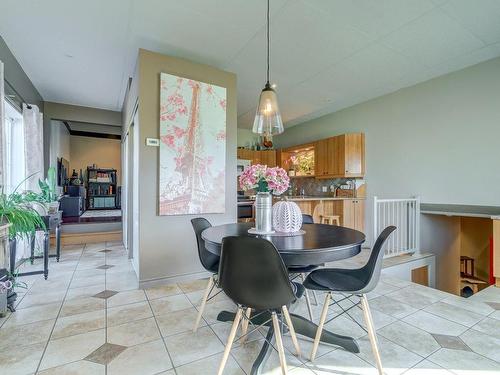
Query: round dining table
point(317, 245)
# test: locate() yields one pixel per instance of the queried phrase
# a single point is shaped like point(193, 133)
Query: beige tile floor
point(90, 319)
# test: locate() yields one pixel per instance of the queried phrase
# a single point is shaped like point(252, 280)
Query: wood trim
point(420, 275)
point(304, 146)
point(496, 251)
point(92, 237)
point(90, 134)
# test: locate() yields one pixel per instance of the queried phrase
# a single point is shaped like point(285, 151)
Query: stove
point(245, 206)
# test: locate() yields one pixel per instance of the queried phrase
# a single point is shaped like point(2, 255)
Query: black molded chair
point(307, 219)
point(253, 275)
point(208, 260)
point(355, 282)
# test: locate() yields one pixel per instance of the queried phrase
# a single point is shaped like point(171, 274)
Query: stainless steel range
point(245, 206)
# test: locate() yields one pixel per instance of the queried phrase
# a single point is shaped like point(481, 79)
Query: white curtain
point(2, 127)
point(33, 145)
point(33, 149)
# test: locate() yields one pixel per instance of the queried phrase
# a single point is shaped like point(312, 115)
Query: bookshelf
point(101, 189)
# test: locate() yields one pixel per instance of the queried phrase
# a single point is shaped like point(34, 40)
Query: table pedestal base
point(302, 327)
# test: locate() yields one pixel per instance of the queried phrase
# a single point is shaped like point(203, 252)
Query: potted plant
point(265, 181)
point(48, 193)
point(17, 210)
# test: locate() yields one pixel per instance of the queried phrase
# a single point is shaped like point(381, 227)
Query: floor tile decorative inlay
point(91, 318)
point(105, 294)
point(105, 353)
point(494, 305)
point(105, 267)
point(450, 342)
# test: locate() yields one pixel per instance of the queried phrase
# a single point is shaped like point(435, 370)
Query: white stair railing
point(405, 215)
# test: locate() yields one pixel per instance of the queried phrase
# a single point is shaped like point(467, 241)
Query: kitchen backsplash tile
point(315, 187)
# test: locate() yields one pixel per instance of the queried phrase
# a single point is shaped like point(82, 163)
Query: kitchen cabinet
point(321, 154)
point(245, 154)
point(353, 214)
point(350, 210)
point(299, 158)
point(340, 156)
point(266, 157)
point(306, 207)
point(352, 153)
point(359, 215)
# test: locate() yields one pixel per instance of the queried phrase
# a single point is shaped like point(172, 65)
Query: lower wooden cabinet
point(351, 211)
point(353, 215)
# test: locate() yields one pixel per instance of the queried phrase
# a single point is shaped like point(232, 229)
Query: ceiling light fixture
point(268, 118)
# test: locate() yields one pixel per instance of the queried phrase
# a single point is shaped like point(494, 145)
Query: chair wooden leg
point(308, 300)
point(244, 325)
point(279, 343)
point(230, 340)
point(292, 330)
point(322, 319)
point(371, 332)
point(203, 302)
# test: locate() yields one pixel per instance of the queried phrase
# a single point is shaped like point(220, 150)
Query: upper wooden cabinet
point(321, 157)
point(245, 154)
point(300, 159)
point(267, 157)
point(340, 156)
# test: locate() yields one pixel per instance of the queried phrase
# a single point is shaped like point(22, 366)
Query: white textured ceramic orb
point(287, 217)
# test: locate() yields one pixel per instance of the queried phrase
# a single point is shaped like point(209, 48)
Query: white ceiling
point(326, 54)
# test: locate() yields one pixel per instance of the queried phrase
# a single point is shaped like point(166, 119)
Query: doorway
point(130, 199)
point(87, 159)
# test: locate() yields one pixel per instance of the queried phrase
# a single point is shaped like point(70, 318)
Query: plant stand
point(11, 295)
point(51, 222)
point(13, 252)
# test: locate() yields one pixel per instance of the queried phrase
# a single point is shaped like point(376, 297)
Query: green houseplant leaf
point(17, 210)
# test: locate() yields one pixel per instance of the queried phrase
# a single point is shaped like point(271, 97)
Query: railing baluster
point(404, 214)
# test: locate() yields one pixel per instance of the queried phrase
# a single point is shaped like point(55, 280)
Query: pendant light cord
point(268, 42)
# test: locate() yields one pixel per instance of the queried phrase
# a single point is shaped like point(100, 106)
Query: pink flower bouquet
point(265, 179)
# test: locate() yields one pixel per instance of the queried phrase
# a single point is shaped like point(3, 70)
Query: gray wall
point(17, 78)
point(437, 139)
point(59, 143)
point(246, 138)
point(167, 245)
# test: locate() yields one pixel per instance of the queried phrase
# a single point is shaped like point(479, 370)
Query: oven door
point(245, 210)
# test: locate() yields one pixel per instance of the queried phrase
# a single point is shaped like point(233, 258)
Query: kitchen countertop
point(489, 212)
point(315, 198)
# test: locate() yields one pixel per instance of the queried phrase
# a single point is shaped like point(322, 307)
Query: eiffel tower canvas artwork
point(192, 146)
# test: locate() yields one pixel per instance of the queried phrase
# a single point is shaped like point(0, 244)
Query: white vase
point(287, 217)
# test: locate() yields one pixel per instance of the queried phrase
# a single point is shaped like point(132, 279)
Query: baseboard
point(81, 238)
point(173, 279)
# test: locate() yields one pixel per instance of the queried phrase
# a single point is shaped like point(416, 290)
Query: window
point(14, 152)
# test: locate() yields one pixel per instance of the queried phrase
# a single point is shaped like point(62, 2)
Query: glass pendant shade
point(268, 118)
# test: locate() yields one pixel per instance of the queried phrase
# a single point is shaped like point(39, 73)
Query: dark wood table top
point(321, 243)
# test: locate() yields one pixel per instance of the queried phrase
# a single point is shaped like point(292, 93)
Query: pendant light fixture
point(268, 118)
